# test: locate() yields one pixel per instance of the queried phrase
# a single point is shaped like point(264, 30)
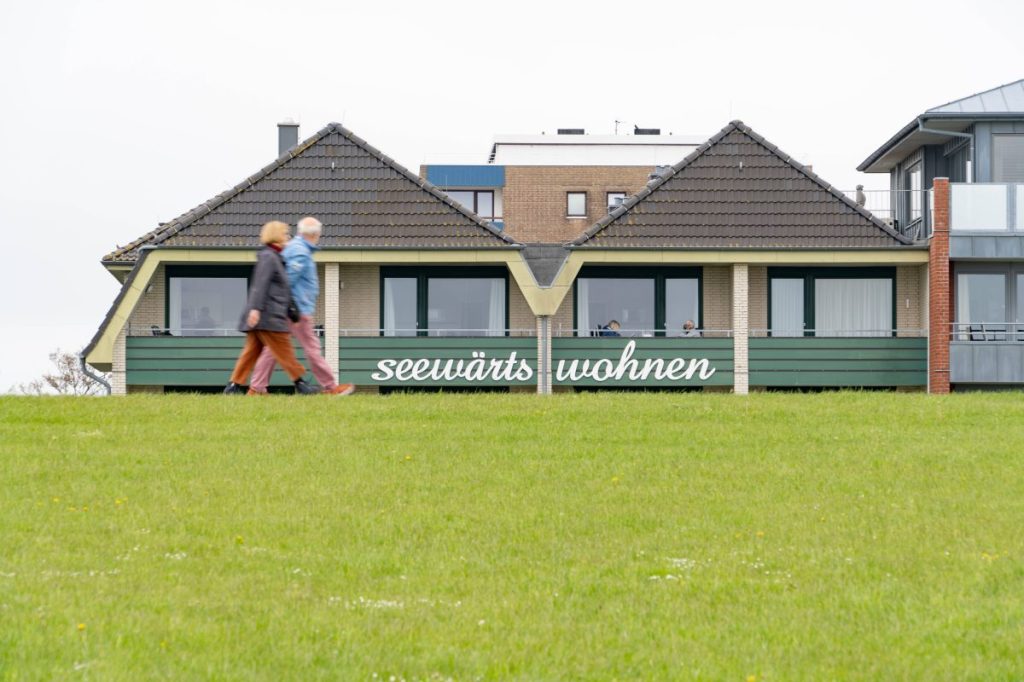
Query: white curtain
point(496, 310)
point(787, 307)
point(853, 307)
point(175, 304)
point(583, 307)
point(389, 308)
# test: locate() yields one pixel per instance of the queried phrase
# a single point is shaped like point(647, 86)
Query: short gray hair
point(310, 225)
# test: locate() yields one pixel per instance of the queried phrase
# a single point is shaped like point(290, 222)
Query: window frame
point(992, 170)
point(608, 198)
point(585, 208)
point(810, 275)
point(1010, 272)
point(422, 275)
point(202, 272)
point(658, 273)
point(476, 200)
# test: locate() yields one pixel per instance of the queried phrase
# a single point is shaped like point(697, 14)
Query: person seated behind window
point(610, 329)
point(690, 329)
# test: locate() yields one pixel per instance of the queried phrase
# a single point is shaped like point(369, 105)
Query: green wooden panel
point(191, 361)
point(359, 358)
point(838, 362)
point(805, 342)
point(586, 351)
point(824, 379)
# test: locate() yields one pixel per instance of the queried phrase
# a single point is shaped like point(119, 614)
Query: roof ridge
point(176, 225)
point(740, 126)
point(976, 94)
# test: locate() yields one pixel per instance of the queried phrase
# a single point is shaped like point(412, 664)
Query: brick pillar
point(543, 355)
point(332, 320)
point(740, 329)
point(940, 299)
point(118, 365)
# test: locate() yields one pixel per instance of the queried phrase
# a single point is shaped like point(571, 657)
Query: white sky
point(118, 115)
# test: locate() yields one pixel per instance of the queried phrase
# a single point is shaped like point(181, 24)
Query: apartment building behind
point(549, 188)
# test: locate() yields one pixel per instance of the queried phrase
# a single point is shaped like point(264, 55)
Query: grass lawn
point(600, 536)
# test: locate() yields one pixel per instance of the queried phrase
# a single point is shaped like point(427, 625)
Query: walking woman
point(265, 319)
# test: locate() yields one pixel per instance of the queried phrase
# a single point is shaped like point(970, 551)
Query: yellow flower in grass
point(751, 678)
point(81, 627)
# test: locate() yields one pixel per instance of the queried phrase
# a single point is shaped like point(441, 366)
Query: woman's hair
point(274, 232)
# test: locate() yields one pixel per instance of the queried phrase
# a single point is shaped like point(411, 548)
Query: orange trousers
point(280, 345)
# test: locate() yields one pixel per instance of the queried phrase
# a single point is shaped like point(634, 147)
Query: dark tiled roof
point(738, 190)
point(363, 198)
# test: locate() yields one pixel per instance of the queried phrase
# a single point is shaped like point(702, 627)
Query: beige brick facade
point(150, 310)
point(521, 319)
point(535, 198)
point(561, 321)
point(910, 300)
point(717, 295)
point(757, 283)
point(359, 299)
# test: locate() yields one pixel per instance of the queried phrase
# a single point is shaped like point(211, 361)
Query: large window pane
point(630, 302)
point(206, 306)
point(981, 306)
point(1008, 159)
point(681, 306)
point(853, 307)
point(787, 307)
point(915, 186)
point(466, 306)
point(463, 197)
point(400, 306)
point(485, 204)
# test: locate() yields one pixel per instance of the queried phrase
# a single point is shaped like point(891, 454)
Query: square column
point(543, 355)
point(332, 316)
point(119, 365)
point(740, 329)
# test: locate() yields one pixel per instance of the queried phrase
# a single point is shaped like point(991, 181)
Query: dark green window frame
point(225, 271)
point(658, 273)
point(809, 275)
point(423, 274)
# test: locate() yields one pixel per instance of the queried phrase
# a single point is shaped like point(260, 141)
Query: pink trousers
point(306, 336)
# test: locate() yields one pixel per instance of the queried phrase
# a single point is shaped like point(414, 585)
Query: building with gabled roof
point(737, 190)
point(736, 267)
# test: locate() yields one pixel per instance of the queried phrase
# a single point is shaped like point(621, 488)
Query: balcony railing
point(988, 332)
point(907, 211)
point(986, 207)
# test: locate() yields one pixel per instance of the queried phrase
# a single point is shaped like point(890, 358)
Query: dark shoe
point(302, 388)
point(233, 389)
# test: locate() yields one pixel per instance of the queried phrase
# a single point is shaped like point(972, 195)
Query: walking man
point(298, 258)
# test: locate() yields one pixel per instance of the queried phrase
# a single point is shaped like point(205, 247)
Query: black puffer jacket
point(269, 293)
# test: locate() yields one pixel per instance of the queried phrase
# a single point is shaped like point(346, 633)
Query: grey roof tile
point(738, 190)
point(364, 199)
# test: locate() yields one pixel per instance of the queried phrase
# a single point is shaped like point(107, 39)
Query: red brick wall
point(940, 299)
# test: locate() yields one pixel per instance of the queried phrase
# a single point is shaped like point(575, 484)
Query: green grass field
point(600, 536)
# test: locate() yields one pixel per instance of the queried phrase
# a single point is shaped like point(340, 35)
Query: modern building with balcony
point(957, 173)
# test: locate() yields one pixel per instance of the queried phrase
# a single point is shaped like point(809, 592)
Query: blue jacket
point(298, 258)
